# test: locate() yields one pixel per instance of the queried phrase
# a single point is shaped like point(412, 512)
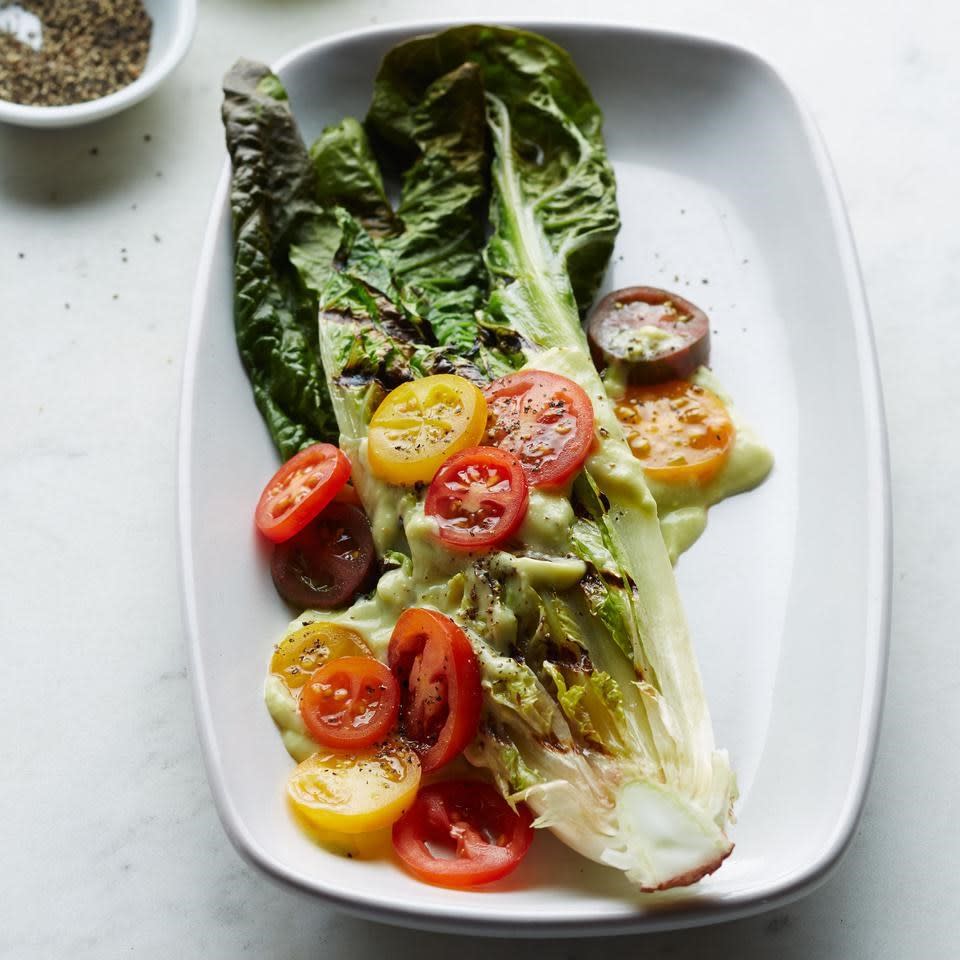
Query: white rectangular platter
point(726, 196)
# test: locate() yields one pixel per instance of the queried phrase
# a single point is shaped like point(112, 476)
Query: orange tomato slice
point(681, 432)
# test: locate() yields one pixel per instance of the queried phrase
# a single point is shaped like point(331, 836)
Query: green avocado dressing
point(472, 587)
point(682, 508)
point(462, 585)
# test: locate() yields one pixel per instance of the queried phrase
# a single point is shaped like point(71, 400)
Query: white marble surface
point(110, 843)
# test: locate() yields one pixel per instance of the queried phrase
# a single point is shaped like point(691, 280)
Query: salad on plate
point(486, 476)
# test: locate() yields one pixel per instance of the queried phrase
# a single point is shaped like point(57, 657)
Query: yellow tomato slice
point(681, 432)
point(301, 652)
point(421, 423)
point(355, 792)
point(356, 846)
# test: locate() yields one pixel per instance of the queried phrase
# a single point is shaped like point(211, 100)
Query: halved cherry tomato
point(439, 678)
point(544, 420)
point(350, 702)
point(653, 333)
point(329, 562)
point(356, 792)
point(303, 651)
point(420, 424)
point(348, 494)
point(483, 839)
point(681, 432)
point(479, 497)
point(300, 490)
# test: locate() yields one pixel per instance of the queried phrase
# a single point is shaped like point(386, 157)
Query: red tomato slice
point(469, 821)
point(350, 702)
point(300, 489)
point(439, 679)
point(544, 420)
point(478, 497)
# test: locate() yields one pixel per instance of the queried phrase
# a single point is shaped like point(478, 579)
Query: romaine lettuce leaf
point(437, 255)
point(347, 175)
point(271, 197)
point(538, 101)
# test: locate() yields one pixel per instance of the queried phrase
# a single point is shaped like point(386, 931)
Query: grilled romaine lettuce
point(594, 710)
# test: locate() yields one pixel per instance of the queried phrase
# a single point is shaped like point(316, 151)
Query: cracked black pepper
point(89, 48)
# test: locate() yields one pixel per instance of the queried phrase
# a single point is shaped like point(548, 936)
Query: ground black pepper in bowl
point(88, 48)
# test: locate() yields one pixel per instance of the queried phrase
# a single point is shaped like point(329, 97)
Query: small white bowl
point(173, 26)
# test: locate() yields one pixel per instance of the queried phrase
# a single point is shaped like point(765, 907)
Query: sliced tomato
point(300, 653)
point(350, 702)
point(478, 498)
point(681, 432)
point(329, 562)
point(420, 424)
point(439, 677)
point(357, 791)
point(653, 334)
point(300, 490)
point(544, 420)
point(348, 494)
point(467, 821)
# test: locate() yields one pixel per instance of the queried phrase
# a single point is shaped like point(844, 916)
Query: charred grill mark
point(353, 380)
point(494, 335)
point(400, 326)
point(568, 656)
point(444, 365)
point(337, 316)
point(516, 652)
point(592, 585)
point(442, 360)
point(580, 510)
point(552, 742)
